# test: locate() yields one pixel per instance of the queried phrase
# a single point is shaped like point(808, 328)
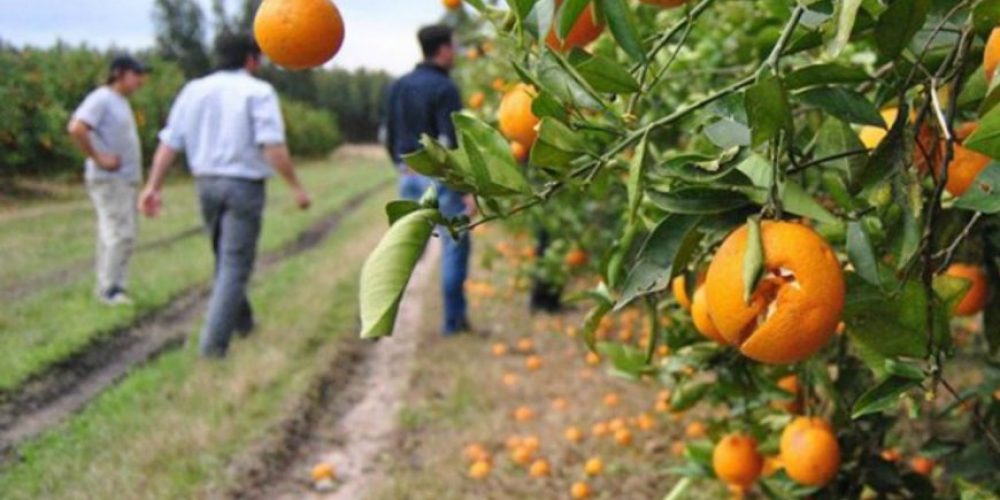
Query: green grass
point(53, 324)
point(172, 427)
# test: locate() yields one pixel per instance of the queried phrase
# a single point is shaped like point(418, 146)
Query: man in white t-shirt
point(230, 126)
point(104, 129)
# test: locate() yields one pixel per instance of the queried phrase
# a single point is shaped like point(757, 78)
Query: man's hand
point(150, 202)
point(302, 199)
point(108, 162)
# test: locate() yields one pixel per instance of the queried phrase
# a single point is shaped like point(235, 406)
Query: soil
point(349, 418)
point(53, 396)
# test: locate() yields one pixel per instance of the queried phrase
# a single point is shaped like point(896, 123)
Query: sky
point(380, 34)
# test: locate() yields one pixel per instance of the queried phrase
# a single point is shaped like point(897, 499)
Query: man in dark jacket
point(422, 102)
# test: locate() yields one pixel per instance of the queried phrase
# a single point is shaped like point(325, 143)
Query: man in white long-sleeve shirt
point(230, 126)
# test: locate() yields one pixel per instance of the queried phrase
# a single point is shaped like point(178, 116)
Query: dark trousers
point(232, 210)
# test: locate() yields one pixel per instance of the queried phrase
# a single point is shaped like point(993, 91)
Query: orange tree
point(790, 165)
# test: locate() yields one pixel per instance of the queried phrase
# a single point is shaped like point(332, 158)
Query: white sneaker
point(116, 298)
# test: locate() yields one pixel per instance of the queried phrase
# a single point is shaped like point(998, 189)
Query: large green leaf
point(622, 26)
point(557, 145)
point(844, 104)
point(568, 14)
point(521, 7)
point(606, 75)
point(556, 76)
point(888, 325)
point(861, 253)
point(753, 258)
point(767, 108)
point(824, 74)
point(697, 200)
point(794, 198)
point(636, 177)
point(986, 138)
point(388, 269)
point(984, 194)
point(698, 168)
point(898, 24)
point(663, 256)
point(847, 14)
point(836, 137)
point(489, 152)
point(884, 396)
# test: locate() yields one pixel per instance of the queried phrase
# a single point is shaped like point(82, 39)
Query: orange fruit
point(790, 384)
point(922, 465)
point(975, 298)
point(677, 448)
point(532, 443)
point(579, 490)
point(593, 359)
point(560, 404)
point(520, 152)
point(695, 430)
point(510, 379)
point(891, 455)
point(524, 414)
point(645, 422)
point(521, 455)
point(966, 164)
point(600, 429)
point(679, 287)
point(479, 470)
point(499, 349)
point(871, 136)
point(796, 307)
point(533, 363)
point(771, 466)
point(991, 55)
point(586, 30)
point(573, 434)
point(476, 100)
point(577, 258)
point(736, 460)
point(593, 467)
point(516, 120)
point(623, 437)
point(323, 472)
point(810, 452)
point(299, 34)
point(498, 84)
point(475, 453)
point(451, 4)
point(666, 4)
point(611, 399)
point(525, 345)
point(472, 54)
point(702, 319)
point(540, 468)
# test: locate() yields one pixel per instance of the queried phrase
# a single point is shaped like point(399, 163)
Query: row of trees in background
point(40, 88)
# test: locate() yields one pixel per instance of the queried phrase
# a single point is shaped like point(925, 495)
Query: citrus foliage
point(685, 125)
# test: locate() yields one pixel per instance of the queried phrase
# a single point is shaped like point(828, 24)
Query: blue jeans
point(454, 271)
point(412, 186)
point(232, 211)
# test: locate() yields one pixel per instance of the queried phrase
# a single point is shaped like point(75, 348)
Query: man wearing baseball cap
point(104, 129)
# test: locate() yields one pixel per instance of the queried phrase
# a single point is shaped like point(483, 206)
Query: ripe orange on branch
point(810, 452)
point(451, 4)
point(702, 320)
point(517, 121)
point(299, 34)
point(966, 164)
point(796, 306)
point(736, 460)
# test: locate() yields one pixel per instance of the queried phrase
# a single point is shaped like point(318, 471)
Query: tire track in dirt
point(348, 417)
point(53, 396)
point(77, 269)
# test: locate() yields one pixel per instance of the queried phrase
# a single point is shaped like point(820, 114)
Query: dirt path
point(355, 421)
point(54, 396)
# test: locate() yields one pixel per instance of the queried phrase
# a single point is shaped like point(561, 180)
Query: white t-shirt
point(112, 131)
point(222, 122)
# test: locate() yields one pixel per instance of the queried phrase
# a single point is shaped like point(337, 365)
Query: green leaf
point(836, 137)
point(898, 24)
point(521, 7)
point(568, 14)
point(697, 200)
point(861, 253)
point(984, 194)
point(622, 27)
point(905, 370)
point(544, 105)
point(794, 198)
point(753, 258)
point(824, 74)
point(891, 156)
point(687, 394)
point(604, 305)
point(767, 108)
point(636, 176)
point(388, 269)
point(844, 104)
point(986, 16)
point(627, 360)
point(398, 209)
point(846, 16)
point(663, 256)
point(890, 325)
point(697, 168)
point(490, 152)
point(728, 133)
point(606, 75)
point(986, 138)
point(556, 76)
point(557, 145)
point(884, 396)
